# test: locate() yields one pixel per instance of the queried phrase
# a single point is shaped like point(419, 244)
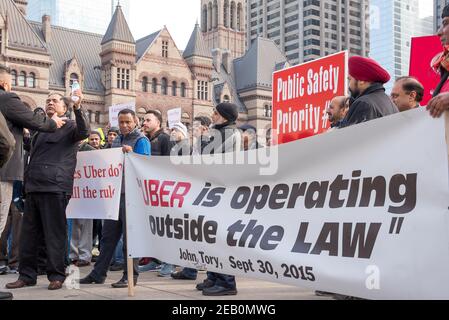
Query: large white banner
point(97, 187)
point(361, 211)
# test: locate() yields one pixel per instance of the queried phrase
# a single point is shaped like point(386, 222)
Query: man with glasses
point(48, 187)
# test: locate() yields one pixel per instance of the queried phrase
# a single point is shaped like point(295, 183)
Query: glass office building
point(392, 25)
point(85, 15)
point(308, 29)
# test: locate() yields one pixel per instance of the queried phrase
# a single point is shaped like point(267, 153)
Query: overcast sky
point(148, 16)
point(180, 16)
point(425, 8)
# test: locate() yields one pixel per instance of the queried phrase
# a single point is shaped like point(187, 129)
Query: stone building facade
point(152, 72)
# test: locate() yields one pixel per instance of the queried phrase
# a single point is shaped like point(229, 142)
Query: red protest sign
point(422, 52)
point(302, 93)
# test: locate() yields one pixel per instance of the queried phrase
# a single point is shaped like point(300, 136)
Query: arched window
point(14, 78)
point(204, 19)
point(183, 90)
point(239, 17)
point(154, 85)
point(233, 14)
point(164, 86)
point(145, 84)
point(226, 13)
point(215, 11)
point(89, 115)
point(74, 77)
point(174, 89)
point(21, 80)
point(31, 80)
point(210, 15)
point(226, 98)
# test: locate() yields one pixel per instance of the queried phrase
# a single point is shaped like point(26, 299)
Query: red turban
point(366, 69)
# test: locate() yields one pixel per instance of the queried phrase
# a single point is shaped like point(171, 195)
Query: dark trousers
point(44, 218)
point(223, 280)
point(42, 257)
point(111, 233)
point(12, 228)
point(97, 232)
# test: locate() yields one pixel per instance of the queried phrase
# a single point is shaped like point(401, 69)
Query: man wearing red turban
point(366, 80)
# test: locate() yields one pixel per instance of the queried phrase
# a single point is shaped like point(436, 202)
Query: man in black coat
point(7, 144)
point(160, 141)
point(18, 116)
point(366, 80)
point(225, 137)
point(48, 187)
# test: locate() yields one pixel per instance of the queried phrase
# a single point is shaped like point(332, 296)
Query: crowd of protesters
point(36, 237)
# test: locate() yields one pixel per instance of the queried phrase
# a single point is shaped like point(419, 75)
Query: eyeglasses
point(52, 100)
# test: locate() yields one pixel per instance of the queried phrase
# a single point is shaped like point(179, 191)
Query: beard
point(354, 92)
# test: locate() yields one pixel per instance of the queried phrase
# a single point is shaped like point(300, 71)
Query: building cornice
point(30, 90)
point(254, 96)
point(27, 61)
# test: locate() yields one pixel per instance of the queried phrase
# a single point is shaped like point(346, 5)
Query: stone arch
point(183, 90)
point(233, 15)
point(210, 17)
point(215, 13)
point(226, 13)
point(204, 19)
point(145, 84)
point(239, 17)
point(28, 101)
point(164, 86)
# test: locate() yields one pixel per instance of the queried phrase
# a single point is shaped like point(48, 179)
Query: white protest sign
point(174, 116)
point(115, 109)
point(97, 186)
point(360, 211)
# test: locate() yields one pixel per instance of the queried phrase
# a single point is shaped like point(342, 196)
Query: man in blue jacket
point(130, 140)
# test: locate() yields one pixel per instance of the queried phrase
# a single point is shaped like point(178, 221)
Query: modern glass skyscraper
point(393, 24)
point(309, 29)
point(86, 15)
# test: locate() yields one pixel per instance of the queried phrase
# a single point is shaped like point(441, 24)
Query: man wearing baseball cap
point(366, 80)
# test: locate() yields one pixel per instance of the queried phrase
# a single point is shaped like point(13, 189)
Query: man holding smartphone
point(48, 187)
